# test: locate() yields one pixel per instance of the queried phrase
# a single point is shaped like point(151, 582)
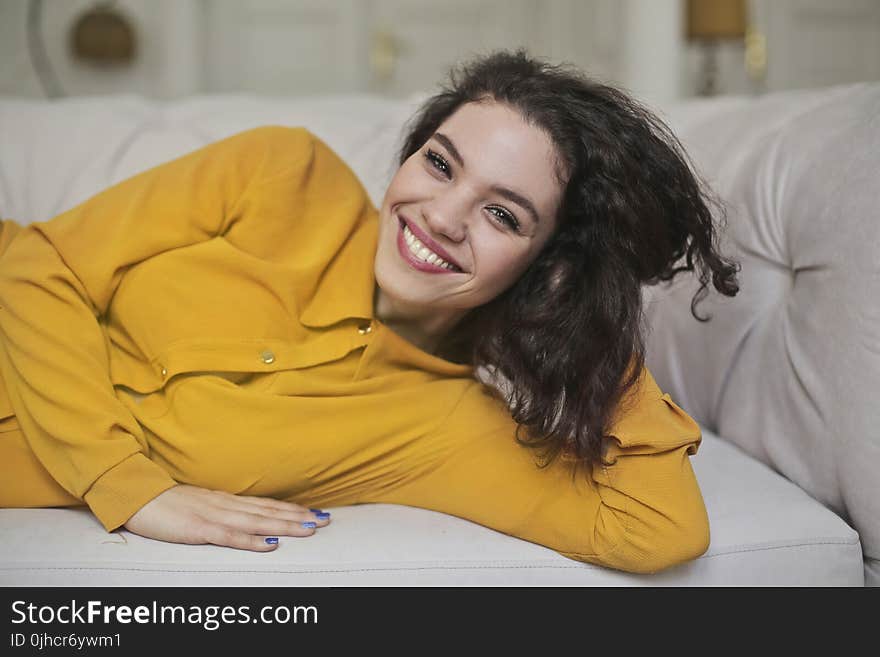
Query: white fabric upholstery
point(765, 530)
point(789, 369)
point(800, 161)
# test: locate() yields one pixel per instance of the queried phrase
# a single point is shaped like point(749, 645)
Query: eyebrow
point(506, 192)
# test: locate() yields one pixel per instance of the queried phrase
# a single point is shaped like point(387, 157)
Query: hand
point(188, 514)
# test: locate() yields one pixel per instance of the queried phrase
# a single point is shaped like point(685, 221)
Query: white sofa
point(783, 380)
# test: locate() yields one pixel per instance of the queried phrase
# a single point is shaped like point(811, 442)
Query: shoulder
point(265, 136)
point(480, 408)
point(286, 145)
point(295, 153)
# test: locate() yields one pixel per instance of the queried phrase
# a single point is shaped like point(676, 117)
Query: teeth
point(422, 252)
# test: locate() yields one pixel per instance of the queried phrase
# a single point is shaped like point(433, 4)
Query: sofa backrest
point(789, 369)
point(56, 154)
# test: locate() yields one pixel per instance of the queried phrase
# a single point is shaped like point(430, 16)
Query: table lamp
point(709, 22)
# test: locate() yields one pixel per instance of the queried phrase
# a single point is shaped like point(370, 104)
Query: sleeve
point(57, 279)
point(642, 514)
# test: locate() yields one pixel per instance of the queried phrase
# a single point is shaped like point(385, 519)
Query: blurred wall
point(167, 64)
point(207, 46)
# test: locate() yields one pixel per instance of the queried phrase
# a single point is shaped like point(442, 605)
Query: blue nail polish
point(316, 510)
point(309, 525)
point(323, 515)
point(272, 540)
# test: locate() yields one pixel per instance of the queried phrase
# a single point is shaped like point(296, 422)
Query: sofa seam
point(778, 547)
point(414, 568)
point(304, 572)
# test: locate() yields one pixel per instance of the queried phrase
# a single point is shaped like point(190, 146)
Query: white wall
point(640, 45)
point(652, 50)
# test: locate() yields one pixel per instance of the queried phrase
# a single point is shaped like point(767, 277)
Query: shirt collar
point(345, 292)
point(345, 289)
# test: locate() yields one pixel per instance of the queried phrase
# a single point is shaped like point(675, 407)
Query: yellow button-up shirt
point(210, 322)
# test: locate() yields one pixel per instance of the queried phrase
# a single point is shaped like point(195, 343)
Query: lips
point(428, 242)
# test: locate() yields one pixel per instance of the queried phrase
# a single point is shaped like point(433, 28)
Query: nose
point(445, 216)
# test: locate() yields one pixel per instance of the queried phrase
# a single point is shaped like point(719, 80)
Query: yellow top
point(210, 322)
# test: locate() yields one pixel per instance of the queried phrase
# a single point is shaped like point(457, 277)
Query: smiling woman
point(454, 200)
point(621, 206)
point(329, 349)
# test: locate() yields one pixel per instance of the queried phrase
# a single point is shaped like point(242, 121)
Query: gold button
point(164, 371)
point(367, 328)
point(267, 356)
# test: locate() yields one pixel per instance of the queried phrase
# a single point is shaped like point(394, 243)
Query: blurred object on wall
point(709, 22)
point(384, 53)
point(103, 36)
point(756, 54)
point(37, 51)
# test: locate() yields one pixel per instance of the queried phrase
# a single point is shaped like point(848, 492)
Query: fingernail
point(322, 515)
point(309, 525)
point(272, 540)
point(316, 510)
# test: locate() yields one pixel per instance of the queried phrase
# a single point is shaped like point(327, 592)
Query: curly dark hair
point(567, 337)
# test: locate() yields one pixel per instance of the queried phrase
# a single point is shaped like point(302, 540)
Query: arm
point(57, 279)
point(643, 514)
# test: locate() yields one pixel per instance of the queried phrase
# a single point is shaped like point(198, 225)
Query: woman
point(210, 351)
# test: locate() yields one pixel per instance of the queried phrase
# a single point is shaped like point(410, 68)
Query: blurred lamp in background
point(709, 22)
point(103, 36)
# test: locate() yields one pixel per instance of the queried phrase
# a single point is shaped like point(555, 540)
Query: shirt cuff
point(653, 427)
point(121, 491)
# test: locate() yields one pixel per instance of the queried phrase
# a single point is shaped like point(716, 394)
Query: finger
point(235, 538)
point(253, 523)
point(245, 506)
point(271, 507)
point(267, 502)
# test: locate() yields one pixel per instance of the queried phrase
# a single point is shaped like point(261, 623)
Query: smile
point(419, 256)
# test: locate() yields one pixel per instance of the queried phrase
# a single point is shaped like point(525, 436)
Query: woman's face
point(466, 214)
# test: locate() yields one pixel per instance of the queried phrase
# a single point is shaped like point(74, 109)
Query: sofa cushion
point(764, 531)
point(56, 155)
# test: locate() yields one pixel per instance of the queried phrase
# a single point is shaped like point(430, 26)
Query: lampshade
point(716, 19)
point(102, 35)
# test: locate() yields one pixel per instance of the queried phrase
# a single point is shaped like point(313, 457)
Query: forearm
point(642, 514)
point(57, 281)
point(54, 361)
point(651, 515)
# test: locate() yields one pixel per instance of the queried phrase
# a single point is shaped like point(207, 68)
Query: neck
point(422, 327)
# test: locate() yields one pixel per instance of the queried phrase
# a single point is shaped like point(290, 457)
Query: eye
point(438, 162)
point(505, 217)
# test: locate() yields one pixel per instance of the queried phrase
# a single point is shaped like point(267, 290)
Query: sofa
point(783, 381)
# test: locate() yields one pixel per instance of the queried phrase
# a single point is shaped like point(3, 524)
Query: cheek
point(501, 262)
point(398, 191)
point(405, 178)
